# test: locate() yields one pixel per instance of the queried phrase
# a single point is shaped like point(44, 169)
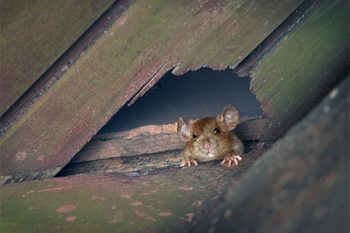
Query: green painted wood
point(301, 184)
point(147, 40)
point(170, 201)
point(306, 64)
point(34, 34)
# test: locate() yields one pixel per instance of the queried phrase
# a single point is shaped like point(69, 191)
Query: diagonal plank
point(147, 40)
point(34, 35)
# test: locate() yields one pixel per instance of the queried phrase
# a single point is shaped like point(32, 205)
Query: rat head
point(211, 136)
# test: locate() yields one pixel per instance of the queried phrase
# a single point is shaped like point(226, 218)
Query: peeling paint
point(165, 214)
point(66, 209)
point(137, 203)
point(144, 216)
point(186, 188)
point(21, 156)
point(71, 218)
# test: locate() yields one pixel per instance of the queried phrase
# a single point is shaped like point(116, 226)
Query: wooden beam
point(34, 36)
point(292, 76)
point(167, 201)
point(301, 184)
point(146, 37)
point(152, 139)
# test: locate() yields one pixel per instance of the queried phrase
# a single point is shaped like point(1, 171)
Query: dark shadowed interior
point(196, 94)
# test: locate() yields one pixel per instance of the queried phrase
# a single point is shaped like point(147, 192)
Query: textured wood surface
point(170, 201)
point(147, 40)
point(34, 34)
point(307, 63)
point(152, 139)
point(301, 184)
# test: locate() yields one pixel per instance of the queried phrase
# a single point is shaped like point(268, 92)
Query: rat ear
point(229, 117)
point(183, 130)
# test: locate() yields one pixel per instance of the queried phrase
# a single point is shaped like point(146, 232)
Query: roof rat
point(211, 138)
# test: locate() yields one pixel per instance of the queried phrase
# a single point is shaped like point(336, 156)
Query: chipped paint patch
point(186, 188)
point(66, 209)
point(54, 189)
point(137, 203)
point(144, 216)
point(21, 156)
point(40, 157)
point(165, 214)
point(122, 20)
point(98, 198)
point(125, 195)
point(71, 218)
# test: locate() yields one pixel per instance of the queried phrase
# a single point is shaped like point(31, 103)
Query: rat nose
point(206, 144)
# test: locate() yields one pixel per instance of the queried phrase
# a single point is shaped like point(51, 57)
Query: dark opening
point(195, 94)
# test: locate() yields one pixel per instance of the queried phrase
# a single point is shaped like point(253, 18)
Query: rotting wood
point(305, 176)
point(291, 22)
point(143, 140)
point(154, 79)
point(146, 36)
point(34, 35)
point(56, 70)
point(152, 139)
point(145, 163)
point(174, 198)
point(311, 59)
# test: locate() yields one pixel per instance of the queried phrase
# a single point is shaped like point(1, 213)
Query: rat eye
point(194, 136)
point(216, 130)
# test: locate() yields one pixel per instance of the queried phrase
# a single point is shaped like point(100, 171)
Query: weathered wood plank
point(301, 184)
point(144, 140)
point(145, 163)
point(310, 60)
point(152, 139)
point(34, 35)
point(148, 36)
point(170, 201)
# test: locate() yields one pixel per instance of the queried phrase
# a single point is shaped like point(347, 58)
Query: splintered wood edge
point(145, 164)
point(152, 139)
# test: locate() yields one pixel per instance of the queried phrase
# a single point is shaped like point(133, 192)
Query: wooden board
point(34, 35)
point(170, 201)
point(147, 40)
point(292, 77)
point(152, 139)
point(301, 184)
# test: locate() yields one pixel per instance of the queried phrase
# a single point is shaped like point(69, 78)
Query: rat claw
point(188, 162)
point(231, 159)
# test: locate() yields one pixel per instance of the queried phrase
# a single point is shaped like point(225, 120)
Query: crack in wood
point(154, 79)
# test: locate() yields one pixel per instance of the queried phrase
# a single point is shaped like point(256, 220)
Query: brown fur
point(220, 144)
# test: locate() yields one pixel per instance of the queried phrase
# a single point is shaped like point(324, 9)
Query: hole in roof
point(195, 94)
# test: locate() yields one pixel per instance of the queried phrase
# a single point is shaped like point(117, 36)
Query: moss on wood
point(34, 34)
point(170, 201)
point(147, 40)
point(309, 61)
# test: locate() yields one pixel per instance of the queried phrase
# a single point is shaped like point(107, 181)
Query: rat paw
point(231, 159)
point(188, 162)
